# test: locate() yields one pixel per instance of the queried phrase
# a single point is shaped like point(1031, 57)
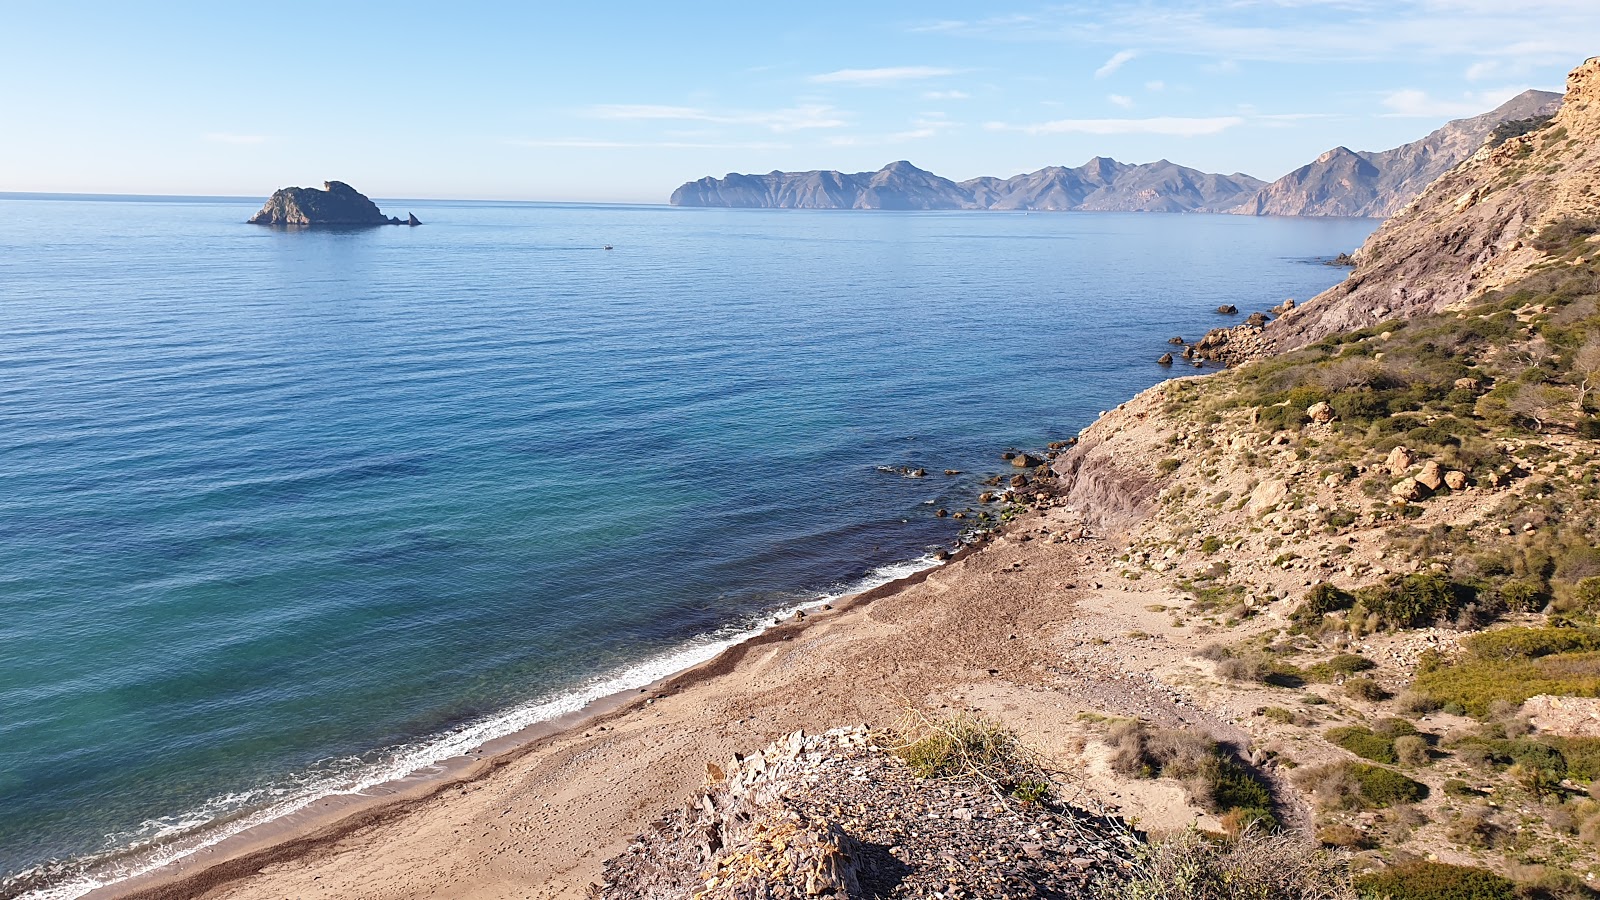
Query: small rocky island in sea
point(337, 205)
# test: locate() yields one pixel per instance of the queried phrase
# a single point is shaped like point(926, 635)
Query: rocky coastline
point(1345, 588)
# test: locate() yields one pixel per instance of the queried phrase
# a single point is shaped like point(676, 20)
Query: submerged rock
point(337, 205)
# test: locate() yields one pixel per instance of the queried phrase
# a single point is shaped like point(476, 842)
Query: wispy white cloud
point(588, 144)
point(796, 118)
point(1176, 126)
point(945, 95)
point(1517, 35)
point(1117, 61)
point(1412, 103)
point(217, 137)
point(1120, 100)
point(1155, 86)
point(881, 76)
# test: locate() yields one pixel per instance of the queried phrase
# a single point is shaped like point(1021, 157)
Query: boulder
point(1399, 461)
point(1257, 319)
point(1283, 307)
point(1431, 476)
point(1019, 481)
point(1267, 495)
point(336, 205)
point(1026, 461)
point(1455, 480)
point(1409, 490)
point(411, 219)
point(1164, 359)
point(1174, 340)
point(1321, 412)
point(1228, 309)
point(1468, 384)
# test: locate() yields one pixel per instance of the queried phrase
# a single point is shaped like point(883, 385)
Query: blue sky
point(622, 101)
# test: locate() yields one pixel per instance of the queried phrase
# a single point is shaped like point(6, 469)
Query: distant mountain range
point(1341, 182)
point(1344, 182)
point(1099, 184)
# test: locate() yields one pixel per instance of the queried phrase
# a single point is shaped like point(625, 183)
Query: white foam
point(161, 842)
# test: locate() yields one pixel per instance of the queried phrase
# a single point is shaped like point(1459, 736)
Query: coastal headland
point(1359, 567)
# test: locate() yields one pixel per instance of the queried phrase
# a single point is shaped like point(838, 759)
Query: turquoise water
point(282, 514)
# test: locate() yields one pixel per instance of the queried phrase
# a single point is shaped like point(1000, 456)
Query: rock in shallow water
point(336, 205)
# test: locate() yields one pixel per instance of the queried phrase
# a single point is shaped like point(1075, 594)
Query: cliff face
point(1472, 230)
point(1344, 182)
point(337, 204)
point(1100, 184)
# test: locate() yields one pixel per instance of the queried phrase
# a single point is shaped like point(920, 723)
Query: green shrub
point(1531, 643)
point(1352, 785)
point(1343, 664)
point(1385, 787)
point(1168, 466)
point(1211, 544)
point(1420, 879)
point(1367, 689)
point(1474, 685)
point(1412, 750)
point(1363, 743)
point(1318, 602)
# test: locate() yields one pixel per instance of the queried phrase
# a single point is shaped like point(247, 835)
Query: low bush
point(1420, 879)
point(1352, 785)
point(1476, 684)
point(1365, 688)
point(968, 746)
point(1318, 602)
point(1251, 866)
point(1364, 743)
point(1412, 750)
point(1531, 643)
point(1214, 779)
point(1341, 665)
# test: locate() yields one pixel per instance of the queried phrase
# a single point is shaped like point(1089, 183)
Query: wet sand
point(537, 819)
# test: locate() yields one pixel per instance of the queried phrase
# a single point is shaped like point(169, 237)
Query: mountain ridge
point(1339, 182)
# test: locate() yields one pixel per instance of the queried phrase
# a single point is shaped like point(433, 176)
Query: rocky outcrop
point(336, 205)
point(1345, 182)
point(835, 817)
point(1471, 231)
point(1099, 184)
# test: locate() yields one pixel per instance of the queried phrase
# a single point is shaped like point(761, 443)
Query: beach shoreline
point(328, 819)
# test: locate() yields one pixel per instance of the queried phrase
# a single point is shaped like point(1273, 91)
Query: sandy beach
point(994, 629)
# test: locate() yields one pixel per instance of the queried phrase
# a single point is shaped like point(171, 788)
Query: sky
point(623, 101)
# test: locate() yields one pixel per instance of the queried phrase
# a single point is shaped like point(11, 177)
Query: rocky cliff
point(1344, 182)
point(1099, 184)
point(1475, 229)
point(337, 204)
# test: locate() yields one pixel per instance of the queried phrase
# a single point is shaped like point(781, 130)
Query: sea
point(285, 515)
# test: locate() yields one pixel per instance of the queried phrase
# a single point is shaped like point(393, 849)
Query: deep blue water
point(278, 509)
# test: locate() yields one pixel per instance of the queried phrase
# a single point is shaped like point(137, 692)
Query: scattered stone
point(1019, 481)
point(1283, 307)
point(941, 513)
point(1175, 340)
point(1228, 309)
point(1164, 359)
point(1468, 384)
point(1321, 412)
point(834, 816)
point(1024, 461)
point(1431, 476)
point(1399, 461)
point(1409, 490)
point(1455, 480)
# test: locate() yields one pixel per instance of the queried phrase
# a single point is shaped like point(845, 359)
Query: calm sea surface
point(284, 514)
